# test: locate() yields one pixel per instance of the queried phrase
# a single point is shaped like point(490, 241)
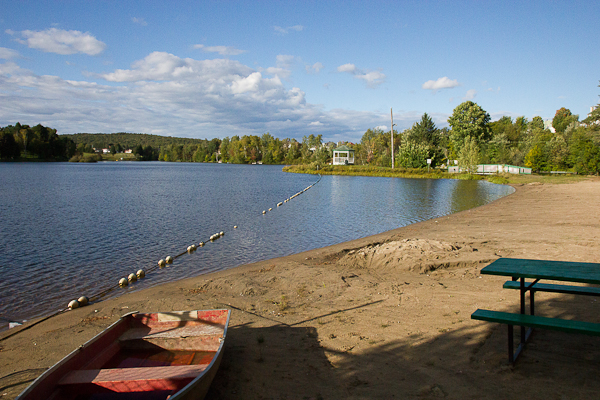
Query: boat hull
point(172, 355)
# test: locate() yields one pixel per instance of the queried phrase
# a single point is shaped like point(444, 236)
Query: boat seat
point(141, 379)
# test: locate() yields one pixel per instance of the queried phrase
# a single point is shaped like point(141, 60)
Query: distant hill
point(129, 140)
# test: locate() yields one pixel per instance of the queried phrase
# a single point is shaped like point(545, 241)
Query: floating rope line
point(141, 273)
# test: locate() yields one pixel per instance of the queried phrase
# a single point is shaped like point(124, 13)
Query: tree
point(535, 158)
point(594, 116)
point(469, 120)
point(584, 154)
point(468, 157)
point(425, 131)
point(413, 154)
point(9, 149)
point(562, 119)
point(536, 123)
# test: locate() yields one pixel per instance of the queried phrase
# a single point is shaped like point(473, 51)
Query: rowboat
point(165, 355)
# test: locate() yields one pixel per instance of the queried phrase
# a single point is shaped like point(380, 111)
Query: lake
point(73, 229)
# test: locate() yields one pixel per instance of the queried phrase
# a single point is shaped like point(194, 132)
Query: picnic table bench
point(519, 270)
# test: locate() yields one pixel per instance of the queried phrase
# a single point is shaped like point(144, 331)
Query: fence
point(486, 169)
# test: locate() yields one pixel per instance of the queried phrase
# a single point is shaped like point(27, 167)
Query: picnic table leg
point(511, 355)
point(523, 339)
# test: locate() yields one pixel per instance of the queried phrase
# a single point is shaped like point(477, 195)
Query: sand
point(387, 316)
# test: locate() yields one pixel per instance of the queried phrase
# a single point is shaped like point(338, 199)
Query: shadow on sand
point(289, 362)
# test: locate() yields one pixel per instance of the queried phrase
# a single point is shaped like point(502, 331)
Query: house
point(343, 155)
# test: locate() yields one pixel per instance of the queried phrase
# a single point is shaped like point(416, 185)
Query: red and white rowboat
point(171, 355)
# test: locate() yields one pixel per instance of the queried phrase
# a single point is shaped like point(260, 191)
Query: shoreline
point(377, 317)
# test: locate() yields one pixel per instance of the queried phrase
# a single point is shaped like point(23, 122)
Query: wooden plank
point(141, 379)
point(543, 269)
point(553, 288)
point(172, 332)
point(535, 321)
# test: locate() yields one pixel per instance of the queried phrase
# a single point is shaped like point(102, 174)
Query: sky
point(206, 69)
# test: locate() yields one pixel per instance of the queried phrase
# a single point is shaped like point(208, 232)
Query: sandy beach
point(387, 316)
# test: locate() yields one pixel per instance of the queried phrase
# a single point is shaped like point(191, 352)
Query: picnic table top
point(543, 269)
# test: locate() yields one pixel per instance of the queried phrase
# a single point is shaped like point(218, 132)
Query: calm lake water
point(72, 229)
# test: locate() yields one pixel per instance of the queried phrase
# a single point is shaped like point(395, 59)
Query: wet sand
point(387, 316)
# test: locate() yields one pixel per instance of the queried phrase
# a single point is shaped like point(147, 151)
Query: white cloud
point(280, 72)
point(222, 50)
point(351, 68)
point(285, 31)
point(440, 83)
point(283, 69)
point(167, 95)
point(7, 54)
point(471, 93)
point(371, 78)
point(285, 61)
point(315, 68)
point(61, 42)
point(246, 84)
point(139, 21)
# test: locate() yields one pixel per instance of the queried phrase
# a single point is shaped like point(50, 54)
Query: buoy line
point(141, 273)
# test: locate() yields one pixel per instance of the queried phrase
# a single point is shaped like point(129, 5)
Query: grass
point(368, 170)
point(118, 156)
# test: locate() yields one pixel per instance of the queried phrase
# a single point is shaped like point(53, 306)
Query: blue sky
point(207, 69)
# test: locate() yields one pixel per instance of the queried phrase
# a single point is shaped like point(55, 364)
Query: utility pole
point(392, 133)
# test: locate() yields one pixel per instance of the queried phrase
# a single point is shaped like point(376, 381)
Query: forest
point(563, 144)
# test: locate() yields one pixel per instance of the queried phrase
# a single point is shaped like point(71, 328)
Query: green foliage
point(584, 153)
point(38, 142)
point(9, 149)
point(469, 120)
point(562, 119)
point(86, 157)
point(468, 156)
point(536, 159)
point(425, 131)
point(413, 154)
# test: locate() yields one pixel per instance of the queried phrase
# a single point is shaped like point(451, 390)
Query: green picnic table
point(522, 269)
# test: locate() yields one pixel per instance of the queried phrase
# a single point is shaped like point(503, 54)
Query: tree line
point(571, 145)
point(567, 144)
point(38, 142)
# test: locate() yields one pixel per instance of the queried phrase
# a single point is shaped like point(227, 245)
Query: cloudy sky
point(214, 69)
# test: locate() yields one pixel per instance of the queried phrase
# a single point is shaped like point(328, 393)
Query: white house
point(343, 155)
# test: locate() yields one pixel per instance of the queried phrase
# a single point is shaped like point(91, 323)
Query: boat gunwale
point(124, 319)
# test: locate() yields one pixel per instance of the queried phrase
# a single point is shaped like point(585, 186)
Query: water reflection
point(77, 228)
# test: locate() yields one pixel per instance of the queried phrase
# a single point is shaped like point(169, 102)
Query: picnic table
point(522, 269)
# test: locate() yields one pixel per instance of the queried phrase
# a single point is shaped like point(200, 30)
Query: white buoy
point(141, 274)
point(161, 263)
point(123, 282)
point(221, 233)
point(201, 244)
point(132, 278)
point(83, 301)
point(270, 209)
point(280, 203)
point(189, 249)
point(73, 304)
point(193, 247)
point(169, 260)
point(235, 227)
point(264, 212)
